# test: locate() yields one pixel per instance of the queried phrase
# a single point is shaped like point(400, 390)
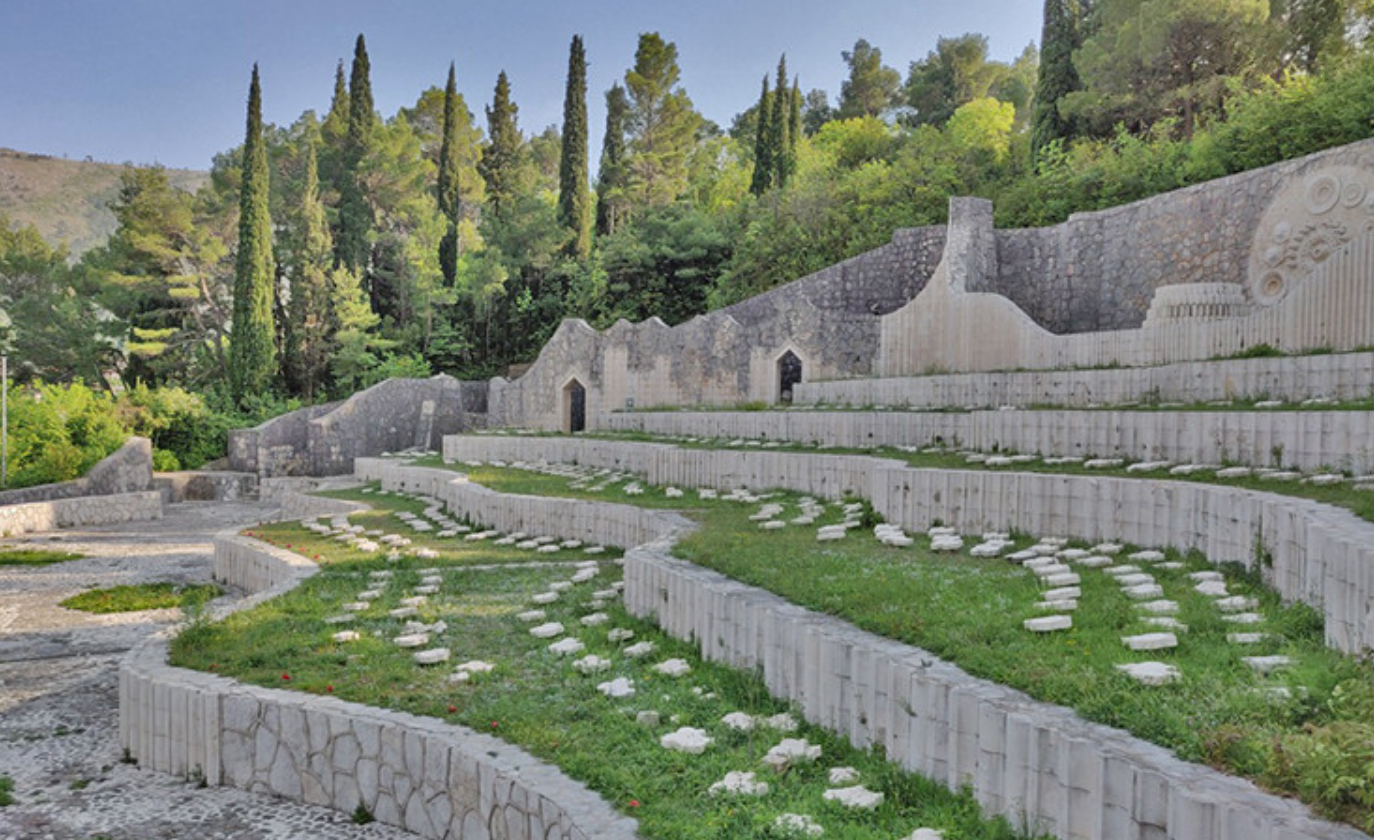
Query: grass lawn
point(1306, 730)
point(35, 556)
point(540, 701)
point(139, 597)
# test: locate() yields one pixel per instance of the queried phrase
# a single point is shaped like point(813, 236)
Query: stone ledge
point(80, 512)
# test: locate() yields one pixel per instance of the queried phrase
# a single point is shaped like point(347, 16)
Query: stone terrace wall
point(394, 415)
point(128, 469)
point(591, 522)
point(1035, 764)
point(1308, 551)
point(1344, 376)
point(79, 513)
point(1098, 271)
point(433, 779)
point(827, 319)
point(1308, 440)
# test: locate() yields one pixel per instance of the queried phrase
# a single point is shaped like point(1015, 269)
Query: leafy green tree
point(353, 242)
point(309, 255)
point(763, 142)
point(664, 264)
point(662, 124)
point(500, 156)
point(957, 72)
point(816, 111)
point(612, 175)
point(574, 196)
point(871, 87)
point(253, 352)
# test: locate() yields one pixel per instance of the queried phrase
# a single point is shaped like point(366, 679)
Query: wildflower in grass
point(452, 709)
point(329, 689)
point(286, 677)
point(634, 803)
point(494, 724)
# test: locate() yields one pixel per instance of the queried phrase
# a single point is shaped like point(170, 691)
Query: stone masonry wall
point(128, 469)
point(80, 512)
point(433, 779)
point(1315, 553)
point(1307, 440)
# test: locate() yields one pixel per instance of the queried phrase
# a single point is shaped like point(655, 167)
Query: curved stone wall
point(1308, 440)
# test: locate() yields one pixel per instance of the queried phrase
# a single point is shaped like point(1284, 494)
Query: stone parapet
point(1306, 440)
point(129, 469)
point(80, 512)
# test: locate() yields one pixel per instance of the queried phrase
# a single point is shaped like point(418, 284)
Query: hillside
point(68, 200)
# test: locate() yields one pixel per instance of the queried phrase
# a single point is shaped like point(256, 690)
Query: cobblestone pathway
point(59, 702)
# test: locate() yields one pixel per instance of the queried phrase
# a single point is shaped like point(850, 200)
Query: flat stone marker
point(1151, 641)
point(1236, 603)
point(687, 739)
point(547, 631)
point(1246, 638)
point(1063, 593)
point(1096, 561)
point(1160, 607)
point(432, 657)
point(1267, 664)
point(1135, 579)
point(1150, 673)
point(565, 647)
point(1061, 579)
point(1147, 556)
point(1057, 606)
point(1244, 618)
point(1143, 591)
point(1119, 571)
point(1167, 622)
point(347, 636)
point(1048, 623)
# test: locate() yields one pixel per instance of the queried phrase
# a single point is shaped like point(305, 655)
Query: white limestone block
point(592, 664)
point(356, 606)
point(791, 751)
point(413, 601)
point(1151, 673)
point(1166, 621)
point(594, 619)
point(617, 688)
point(1147, 466)
point(547, 631)
point(1048, 623)
point(411, 640)
point(1160, 607)
point(673, 667)
point(545, 598)
point(639, 649)
point(1057, 606)
point(782, 722)
point(1243, 618)
point(739, 783)
point(531, 616)
point(567, 646)
point(688, 739)
point(403, 612)
point(1246, 638)
point(1234, 472)
point(796, 825)
point(857, 797)
point(1267, 664)
point(647, 717)
point(1107, 548)
point(347, 636)
point(1143, 591)
point(1150, 641)
point(1136, 579)
point(1103, 463)
point(1062, 579)
point(1148, 555)
point(1212, 588)
point(1236, 603)
point(477, 666)
point(432, 657)
point(843, 775)
point(739, 721)
point(1063, 593)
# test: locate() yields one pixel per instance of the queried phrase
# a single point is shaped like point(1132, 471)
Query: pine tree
point(450, 186)
point(763, 151)
point(1058, 77)
point(610, 182)
point(500, 156)
point(574, 208)
point(252, 357)
point(779, 115)
point(355, 215)
point(662, 124)
point(307, 353)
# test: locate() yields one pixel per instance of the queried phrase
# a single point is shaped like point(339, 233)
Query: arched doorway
point(789, 374)
point(574, 407)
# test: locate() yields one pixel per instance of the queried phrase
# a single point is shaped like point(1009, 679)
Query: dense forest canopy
point(350, 246)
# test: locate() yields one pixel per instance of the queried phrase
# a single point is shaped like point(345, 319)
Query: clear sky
point(166, 81)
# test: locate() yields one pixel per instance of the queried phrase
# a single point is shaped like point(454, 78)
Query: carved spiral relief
point(1309, 220)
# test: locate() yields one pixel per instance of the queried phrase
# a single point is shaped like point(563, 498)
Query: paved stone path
point(59, 701)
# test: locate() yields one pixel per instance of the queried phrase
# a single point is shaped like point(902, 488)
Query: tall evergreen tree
point(662, 124)
point(355, 215)
point(336, 121)
point(779, 115)
point(610, 181)
point(574, 200)
point(252, 357)
point(871, 87)
point(794, 122)
point(307, 347)
point(500, 157)
point(1058, 78)
point(763, 150)
point(450, 186)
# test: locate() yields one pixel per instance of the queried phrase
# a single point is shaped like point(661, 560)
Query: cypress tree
point(794, 123)
point(763, 152)
point(779, 115)
point(336, 121)
point(307, 353)
point(355, 216)
point(253, 356)
point(450, 195)
point(503, 148)
point(1058, 77)
point(610, 182)
point(574, 208)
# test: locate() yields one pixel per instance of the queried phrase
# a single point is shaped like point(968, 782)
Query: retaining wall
point(1020, 758)
point(1343, 376)
point(206, 485)
point(128, 469)
point(1312, 552)
point(433, 779)
point(1308, 440)
point(80, 512)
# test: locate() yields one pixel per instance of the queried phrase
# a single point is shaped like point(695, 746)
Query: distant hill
point(68, 200)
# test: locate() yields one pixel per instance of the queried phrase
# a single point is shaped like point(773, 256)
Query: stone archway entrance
point(789, 374)
point(574, 407)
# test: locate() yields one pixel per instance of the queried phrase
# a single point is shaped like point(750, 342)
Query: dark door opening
point(575, 407)
point(789, 374)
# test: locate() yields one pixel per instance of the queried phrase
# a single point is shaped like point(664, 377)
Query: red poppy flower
point(286, 677)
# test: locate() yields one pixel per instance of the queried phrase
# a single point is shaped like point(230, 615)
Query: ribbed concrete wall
point(1308, 440)
point(1338, 376)
point(87, 510)
point(433, 779)
point(1026, 760)
point(1312, 552)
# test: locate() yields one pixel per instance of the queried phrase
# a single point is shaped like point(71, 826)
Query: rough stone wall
point(206, 486)
point(79, 512)
point(128, 469)
point(394, 415)
point(828, 319)
point(1098, 271)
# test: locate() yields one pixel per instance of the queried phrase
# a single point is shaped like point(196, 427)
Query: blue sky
point(165, 81)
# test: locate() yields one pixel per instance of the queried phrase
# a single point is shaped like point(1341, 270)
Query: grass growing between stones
point(539, 701)
point(35, 557)
point(144, 596)
point(6, 791)
point(1306, 730)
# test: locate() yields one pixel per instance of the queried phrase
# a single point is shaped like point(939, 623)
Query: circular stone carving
point(1352, 194)
point(1273, 256)
point(1323, 192)
point(1271, 287)
point(1282, 231)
